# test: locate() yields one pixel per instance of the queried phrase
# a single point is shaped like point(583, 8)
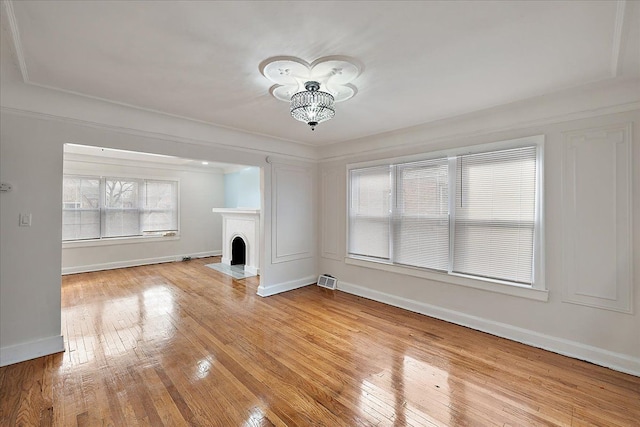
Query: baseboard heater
point(327, 281)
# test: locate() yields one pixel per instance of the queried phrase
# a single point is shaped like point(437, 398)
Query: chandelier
point(312, 106)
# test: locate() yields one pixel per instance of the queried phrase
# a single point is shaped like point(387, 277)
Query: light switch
point(25, 220)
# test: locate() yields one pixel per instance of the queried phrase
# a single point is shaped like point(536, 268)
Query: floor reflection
point(407, 393)
point(118, 325)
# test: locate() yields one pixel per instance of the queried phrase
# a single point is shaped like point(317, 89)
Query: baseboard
point(616, 361)
point(31, 350)
point(134, 262)
point(265, 291)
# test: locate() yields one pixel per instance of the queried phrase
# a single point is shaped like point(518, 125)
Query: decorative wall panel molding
point(293, 232)
point(330, 209)
point(597, 215)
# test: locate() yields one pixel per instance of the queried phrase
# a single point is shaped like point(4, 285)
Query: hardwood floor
point(181, 344)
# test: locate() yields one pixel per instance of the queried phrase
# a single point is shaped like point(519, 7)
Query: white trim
point(483, 147)
point(17, 41)
point(252, 270)
point(266, 291)
point(236, 211)
point(538, 289)
point(394, 138)
point(31, 350)
point(108, 241)
point(456, 279)
point(305, 177)
point(599, 356)
point(208, 143)
point(618, 31)
point(623, 281)
point(134, 262)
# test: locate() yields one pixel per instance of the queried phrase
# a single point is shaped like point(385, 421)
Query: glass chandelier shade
point(312, 106)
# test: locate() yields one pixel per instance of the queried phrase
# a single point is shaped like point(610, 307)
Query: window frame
point(145, 237)
point(535, 291)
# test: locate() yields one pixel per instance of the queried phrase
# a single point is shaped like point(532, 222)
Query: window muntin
point(475, 215)
point(99, 207)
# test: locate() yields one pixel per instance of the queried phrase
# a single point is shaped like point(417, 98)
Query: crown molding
point(149, 134)
point(618, 33)
point(633, 106)
point(20, 56)
point(17, 41)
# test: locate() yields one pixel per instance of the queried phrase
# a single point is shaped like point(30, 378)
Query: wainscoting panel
point(597, 254)
point(292, 204)
point(330, 209)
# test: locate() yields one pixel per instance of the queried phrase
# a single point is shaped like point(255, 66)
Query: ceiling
point(422, 61)
point(86, 151)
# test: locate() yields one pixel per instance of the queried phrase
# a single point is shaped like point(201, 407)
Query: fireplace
point(241, 238)
point(238, 251)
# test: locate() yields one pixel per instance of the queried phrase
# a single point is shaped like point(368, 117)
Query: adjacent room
point(122, 208)
point(355, 213)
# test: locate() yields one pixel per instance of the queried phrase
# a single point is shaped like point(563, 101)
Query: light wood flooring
point(181, 344)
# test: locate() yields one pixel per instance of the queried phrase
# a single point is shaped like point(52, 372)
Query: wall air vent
point(327, 281)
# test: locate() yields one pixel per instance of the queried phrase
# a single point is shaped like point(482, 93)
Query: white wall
point(242, 188)
point(581, 328)
point(35, 123)
point(200, 229)
point(292, 238)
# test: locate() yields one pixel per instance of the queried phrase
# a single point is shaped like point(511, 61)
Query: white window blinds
point(121, 208)
point(421, 220)
point(80, 208)
point(369, 212)
point(95, 207)
point(474, 214)
point(495, 215)
point(160, 206)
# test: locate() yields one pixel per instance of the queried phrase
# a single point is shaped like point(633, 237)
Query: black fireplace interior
point(238, 252)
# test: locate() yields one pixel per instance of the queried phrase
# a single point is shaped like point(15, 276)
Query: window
point(370, 217)
point(80, 208)
point(465, 214)
point(495, 215)
point(98, 207)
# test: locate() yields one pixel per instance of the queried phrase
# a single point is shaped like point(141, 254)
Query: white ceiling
point(156, 159)
point(423, 61)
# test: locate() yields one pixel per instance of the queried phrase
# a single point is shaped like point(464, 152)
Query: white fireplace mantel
point(243, 223)
point(238, 211)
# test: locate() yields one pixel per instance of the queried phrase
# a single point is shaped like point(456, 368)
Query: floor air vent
point(327, 281)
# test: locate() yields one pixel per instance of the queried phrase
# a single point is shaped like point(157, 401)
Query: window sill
point(117, 241)
point(476, 283)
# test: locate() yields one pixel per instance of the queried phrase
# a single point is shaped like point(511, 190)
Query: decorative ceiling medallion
point(298, 82)
point(290, 75)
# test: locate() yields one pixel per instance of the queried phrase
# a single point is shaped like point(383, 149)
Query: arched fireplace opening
point(238, 252)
